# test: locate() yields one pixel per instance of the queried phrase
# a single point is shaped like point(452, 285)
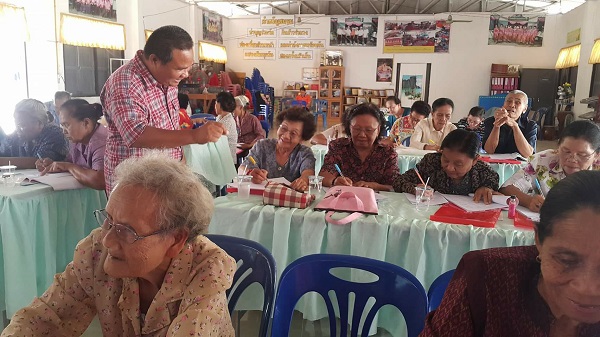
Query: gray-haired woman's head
point(31, 116)
point(183, 202)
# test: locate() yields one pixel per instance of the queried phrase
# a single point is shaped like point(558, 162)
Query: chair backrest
point(406, 141)
point(312, 273)
point(437, 290)
point(321, 105)
point(257, 262)
point(205, 116)
point(298, 103)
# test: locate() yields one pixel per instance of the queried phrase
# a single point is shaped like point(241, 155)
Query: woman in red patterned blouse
point(363, 161)
point(550, 289)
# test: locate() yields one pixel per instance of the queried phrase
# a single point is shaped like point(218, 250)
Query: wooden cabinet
point(331, 87)
point(360, 95)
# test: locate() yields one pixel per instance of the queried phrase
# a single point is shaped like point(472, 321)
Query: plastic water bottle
point(512, 206)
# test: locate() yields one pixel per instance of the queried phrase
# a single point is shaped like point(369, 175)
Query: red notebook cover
point(499, 161)
point(451, 213)
point(253, 191)
point(523, 221)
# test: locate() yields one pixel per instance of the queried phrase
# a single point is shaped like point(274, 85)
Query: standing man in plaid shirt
point(140, 102)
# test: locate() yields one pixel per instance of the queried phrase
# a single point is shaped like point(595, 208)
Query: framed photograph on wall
point(384, 70)
point(412, 82)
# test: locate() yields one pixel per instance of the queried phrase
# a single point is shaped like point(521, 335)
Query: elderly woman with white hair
point(147, 270)
point(249, 129)
point(509, 130)
point(35, 136)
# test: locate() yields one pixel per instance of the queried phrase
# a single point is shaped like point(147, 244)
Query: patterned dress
point(190, 302)
point(381, 166)
point(402, 129)
point(301, 159)
point(493, 293)
point(51, 143)
point(480, 175)
point(545, 166)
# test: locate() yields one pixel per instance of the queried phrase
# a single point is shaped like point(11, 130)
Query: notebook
point(58, 181)
point(256, 189)
point(450, 213)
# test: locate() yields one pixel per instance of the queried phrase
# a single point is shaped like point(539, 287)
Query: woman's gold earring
point(538, 259)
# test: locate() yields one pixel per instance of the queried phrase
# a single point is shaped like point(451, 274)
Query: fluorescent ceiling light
point(551, 6)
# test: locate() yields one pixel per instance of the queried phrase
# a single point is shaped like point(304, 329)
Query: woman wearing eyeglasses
point(147, 271)
point(284, 156)
point(363, 160)
point(578, 150)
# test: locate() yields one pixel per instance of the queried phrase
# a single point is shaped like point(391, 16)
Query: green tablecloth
point(39, 229)
point(409, 161)
point(399, 235)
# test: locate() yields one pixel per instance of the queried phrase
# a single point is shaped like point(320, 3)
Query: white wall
point(463, 74)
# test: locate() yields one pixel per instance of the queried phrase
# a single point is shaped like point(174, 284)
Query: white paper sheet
point(504, 156)
point(466, 202)
point(58, 181)
point(534, 216)
point(437, 199)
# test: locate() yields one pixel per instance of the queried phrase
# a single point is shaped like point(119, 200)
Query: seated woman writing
point(35, 136)
point(85, 160)
point(430, 132)
point(550, 289)
point(148, 270)
point(456, 169)
point(578, 150)
point(284, 156)
point(363, 161)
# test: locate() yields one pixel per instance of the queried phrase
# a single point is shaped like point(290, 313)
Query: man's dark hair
point(422, 108)
point(392, 98)
point(226, 100)
point(477, 111)
point(164, 40)
point(184, 100)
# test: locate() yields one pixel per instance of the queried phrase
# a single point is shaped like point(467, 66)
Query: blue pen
point(539, 187)
point(338, 169)
point(38, 155)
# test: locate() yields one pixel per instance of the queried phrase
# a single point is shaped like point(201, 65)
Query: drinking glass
point(244, 186)
point(423, 197)
point(315, 185)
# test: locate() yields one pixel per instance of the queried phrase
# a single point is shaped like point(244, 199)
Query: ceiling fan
point(450, 20)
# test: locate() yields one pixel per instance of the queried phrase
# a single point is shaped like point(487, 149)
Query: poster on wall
point(516, 30)
point(412, 82)
point(104, 9)
point(212, 27)
point(353, 32)
point(384, 70)
point(416, 37)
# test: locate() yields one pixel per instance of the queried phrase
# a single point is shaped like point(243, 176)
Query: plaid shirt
point(133, 99)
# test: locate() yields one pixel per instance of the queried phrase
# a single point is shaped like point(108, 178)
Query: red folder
point(499, 161)
point(523, 221)
point(253, 191)
point(451, 213)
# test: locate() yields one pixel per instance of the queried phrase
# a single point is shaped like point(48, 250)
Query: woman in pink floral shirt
point(147, 271)
point(578, 150)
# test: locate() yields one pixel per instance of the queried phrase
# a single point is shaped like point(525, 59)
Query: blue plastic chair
point(298, 103)
point(406, 141)
point(391, 119)
point(205, 116)
point(321, 110)
point(261, 266)
point(312, 273)
point(437, 290)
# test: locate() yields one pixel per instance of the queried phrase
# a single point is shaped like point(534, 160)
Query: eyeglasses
point(357, 131)
point(578, 157)
point(124, 233)
point(293, 134)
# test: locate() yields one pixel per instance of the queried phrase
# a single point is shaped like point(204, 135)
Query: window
point(595, 86)
point(87, 69)
point(568, 75)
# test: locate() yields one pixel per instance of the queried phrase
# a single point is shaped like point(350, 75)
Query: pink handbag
point(357, 200)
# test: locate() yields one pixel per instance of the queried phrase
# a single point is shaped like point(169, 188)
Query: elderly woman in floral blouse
point(578, 150)
point(147, 270)
point(456, 169)
point(364, 162)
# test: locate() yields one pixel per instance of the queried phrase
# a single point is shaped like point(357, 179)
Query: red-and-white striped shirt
point(132, 100)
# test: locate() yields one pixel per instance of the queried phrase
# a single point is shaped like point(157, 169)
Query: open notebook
point(58, 181)
point(256, 189)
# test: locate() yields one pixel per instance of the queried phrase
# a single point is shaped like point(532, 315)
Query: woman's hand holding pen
point(536, 203)
point(42, 164)
point(342, 181)
point(258, 175)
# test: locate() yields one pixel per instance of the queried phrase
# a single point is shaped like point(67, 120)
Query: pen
point(338, 169)
point(539, 187)
point(419, 175)
point(251, 159)
point(38, 155)
point(432, 142)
